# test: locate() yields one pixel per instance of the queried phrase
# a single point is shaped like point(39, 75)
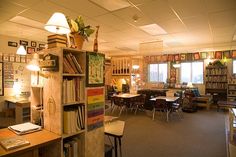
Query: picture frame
point(5, 58)
point(30, 50)
point(196, 56)
point(203, 55)
point(33, 44)
point(170, 57)
point(218, 55)
point(176, 57)
point(12, 58)
point(42, 46)
point(182, 57)
point(22, 59)
point(164, 58)
point(227, 54)
point(189, 57)
point(12, 44)
point(23, 42)
point(234, 54)
point(95, 69)
point(1, 79)
point(17, 58)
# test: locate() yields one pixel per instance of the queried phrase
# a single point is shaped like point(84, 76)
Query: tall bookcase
point(231, 90)
point(64, 100)
point(216, 81)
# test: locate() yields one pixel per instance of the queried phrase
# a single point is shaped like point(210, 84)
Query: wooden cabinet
point(216, 81)
point(121, 65)
point(64, 99)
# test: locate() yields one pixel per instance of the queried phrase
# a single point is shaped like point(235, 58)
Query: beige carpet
point(200, 134)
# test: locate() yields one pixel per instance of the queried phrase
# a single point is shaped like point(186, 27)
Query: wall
point(17, 69)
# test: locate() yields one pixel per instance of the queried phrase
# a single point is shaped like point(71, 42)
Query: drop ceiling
point(191, 25)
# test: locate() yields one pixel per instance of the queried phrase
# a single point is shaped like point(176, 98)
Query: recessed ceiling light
point(112, 5)
point(153, 29)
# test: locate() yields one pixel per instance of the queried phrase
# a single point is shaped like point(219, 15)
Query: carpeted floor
point(200, 134)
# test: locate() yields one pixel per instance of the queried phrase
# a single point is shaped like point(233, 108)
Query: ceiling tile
point(26, 3)
point(188, 8)
point(196, 22)
point(220, 5)
point(130, 13)
point(173, 26)
point(223, 18)
point(158, 10)
point(219, 31)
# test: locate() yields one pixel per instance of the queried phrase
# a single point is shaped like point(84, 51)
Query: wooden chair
point(118, 103)
point(160, 106)
point(177, 108)
point(139, 102)
point(232, 124)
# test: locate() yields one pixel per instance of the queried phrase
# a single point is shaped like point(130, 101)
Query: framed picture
point(23, 42)
point(42, 46)
point(6, 58)
point(13, 44)
point(234, 54)
point(158, 58)
point(196, 56)
point(30, 50)
point(164, 58)
point(12, 58)
point(218, 55)
point(1, 79)
point(17, 58)
point(182, 57)
point(95, 69)
point(189, 57)
point(22, 59)
point(203, 55)
point(226, 54)
point(176, 57)
point(33, 44)
point(170, 57)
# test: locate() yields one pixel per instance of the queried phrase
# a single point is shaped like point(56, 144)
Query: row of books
point(72, 90)
point(73, 119)
point(71, 149)
point(71, 64)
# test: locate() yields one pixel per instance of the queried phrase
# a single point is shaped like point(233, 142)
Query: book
point(13, 142)
point(77, 65)
point(24, 128)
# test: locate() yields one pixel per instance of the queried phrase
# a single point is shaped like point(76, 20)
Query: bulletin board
point(16, 72)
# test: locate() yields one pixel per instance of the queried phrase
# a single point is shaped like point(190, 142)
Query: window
point(234, 66)
point(192, 72)
point(157, 72)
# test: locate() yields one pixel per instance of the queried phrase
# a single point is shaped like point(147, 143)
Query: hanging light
point(21, 50)
point(34, 63)
point(57, 24)
point(176, 65)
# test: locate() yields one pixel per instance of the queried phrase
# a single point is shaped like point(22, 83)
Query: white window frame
point(157, 74)
point(191, 72)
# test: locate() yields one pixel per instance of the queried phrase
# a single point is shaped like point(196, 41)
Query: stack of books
point(72, 148)
point(57, 41)
point(71, 64)
point(24, 128)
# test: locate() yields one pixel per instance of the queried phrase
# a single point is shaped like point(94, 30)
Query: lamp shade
point(57, 24)
point(21, 50)
point(34, 63)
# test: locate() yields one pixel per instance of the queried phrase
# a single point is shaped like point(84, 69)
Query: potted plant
point(79, 30)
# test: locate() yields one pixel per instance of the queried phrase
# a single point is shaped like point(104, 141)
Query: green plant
point(78, 26)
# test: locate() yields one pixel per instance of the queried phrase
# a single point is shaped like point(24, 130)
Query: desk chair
point(139, 102)
point(160, 105)
point(118, 103)
point(177, 108)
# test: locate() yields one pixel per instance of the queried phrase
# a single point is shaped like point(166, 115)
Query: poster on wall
point(8, 75)
point(95, 108)
point(95, 69)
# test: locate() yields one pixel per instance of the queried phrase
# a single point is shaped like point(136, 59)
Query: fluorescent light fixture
point(57, 24)
point(34, 63)
point(153, 29)
point(112, 5)
point(21, 50)
point(176, 65)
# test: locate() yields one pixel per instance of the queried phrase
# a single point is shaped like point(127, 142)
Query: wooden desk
point(168, 99)
point(43, 139)
point(22, 108)
point(115, 129)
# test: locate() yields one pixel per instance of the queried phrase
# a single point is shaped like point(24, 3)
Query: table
point(225, 104)
point(37, 140)
point(115, 129)
point(125, 96)
point(168, 99)
point(22, 108)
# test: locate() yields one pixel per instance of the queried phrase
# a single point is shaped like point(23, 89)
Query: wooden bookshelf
point(64, 98)
point(216, 81)
point(231, 90)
